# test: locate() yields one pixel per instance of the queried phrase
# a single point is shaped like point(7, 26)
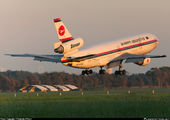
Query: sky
point(26, 26)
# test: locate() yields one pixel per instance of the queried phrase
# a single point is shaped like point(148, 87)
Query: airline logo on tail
point(63, 33)
point(61, 30)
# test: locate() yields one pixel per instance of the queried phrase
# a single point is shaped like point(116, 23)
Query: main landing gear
point(101, 71)
point(120, 71)
point(87, 72)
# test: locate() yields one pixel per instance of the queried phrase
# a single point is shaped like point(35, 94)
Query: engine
point(67, 47)
point(145, 62)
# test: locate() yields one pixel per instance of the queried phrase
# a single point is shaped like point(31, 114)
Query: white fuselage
point(139, 44)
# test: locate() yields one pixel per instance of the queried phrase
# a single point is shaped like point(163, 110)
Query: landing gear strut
point(86, 72)
point(120, 71)
point(101, 71)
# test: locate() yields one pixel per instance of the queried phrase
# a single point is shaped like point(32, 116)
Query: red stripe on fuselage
point(126, 47)
point(64, 61)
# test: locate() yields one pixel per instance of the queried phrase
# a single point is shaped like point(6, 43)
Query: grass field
point(90, 104)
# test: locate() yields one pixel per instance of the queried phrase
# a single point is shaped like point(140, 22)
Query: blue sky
point(27, 27)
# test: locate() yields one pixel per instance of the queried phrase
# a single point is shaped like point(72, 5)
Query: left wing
point(47, 58)
point(131, 58)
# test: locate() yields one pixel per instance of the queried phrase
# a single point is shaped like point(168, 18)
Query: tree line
point(11, 81)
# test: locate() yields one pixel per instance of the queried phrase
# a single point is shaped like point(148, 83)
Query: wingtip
point(13, 55)
point(7, 54)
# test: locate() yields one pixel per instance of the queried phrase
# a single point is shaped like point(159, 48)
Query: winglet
point(9, 54)
point(164, 55)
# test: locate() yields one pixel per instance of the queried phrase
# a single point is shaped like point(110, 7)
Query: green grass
point(118, 104)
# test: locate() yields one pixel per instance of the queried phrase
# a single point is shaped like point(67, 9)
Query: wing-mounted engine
point(68, 47)
point(145, 62)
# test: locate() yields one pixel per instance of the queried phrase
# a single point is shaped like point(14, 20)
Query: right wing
point(134, 58)
point(131, 58)
point(47, 58)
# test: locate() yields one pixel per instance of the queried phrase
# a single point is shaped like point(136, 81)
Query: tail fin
point(63, 33)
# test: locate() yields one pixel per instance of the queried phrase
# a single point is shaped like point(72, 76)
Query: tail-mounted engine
point(145, 62)
point(69, 46)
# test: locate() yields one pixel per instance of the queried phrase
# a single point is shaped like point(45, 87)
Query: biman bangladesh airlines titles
point(108, 55)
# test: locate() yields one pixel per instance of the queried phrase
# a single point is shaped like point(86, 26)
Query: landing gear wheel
point(90, 71)
point(123, 72)
point(102, 71)
point(117, 72)
point(83, 72)
point(86, 72)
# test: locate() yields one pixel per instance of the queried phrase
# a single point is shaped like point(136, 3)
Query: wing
point(131, 58)
point(47, 58)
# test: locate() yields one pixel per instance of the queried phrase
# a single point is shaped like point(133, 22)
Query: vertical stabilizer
point(62, 32)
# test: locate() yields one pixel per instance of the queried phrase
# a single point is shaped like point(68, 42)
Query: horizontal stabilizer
point(47, 58)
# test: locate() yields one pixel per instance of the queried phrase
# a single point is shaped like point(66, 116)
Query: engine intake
point(68, 46)
point(60, 49)
point(145, 62)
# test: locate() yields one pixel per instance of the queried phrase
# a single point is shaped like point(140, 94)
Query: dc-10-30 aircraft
point(109, 55)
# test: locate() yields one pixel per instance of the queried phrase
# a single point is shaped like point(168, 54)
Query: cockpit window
point(147, 37)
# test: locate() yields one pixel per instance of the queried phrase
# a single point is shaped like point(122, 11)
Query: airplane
point(110, 54)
